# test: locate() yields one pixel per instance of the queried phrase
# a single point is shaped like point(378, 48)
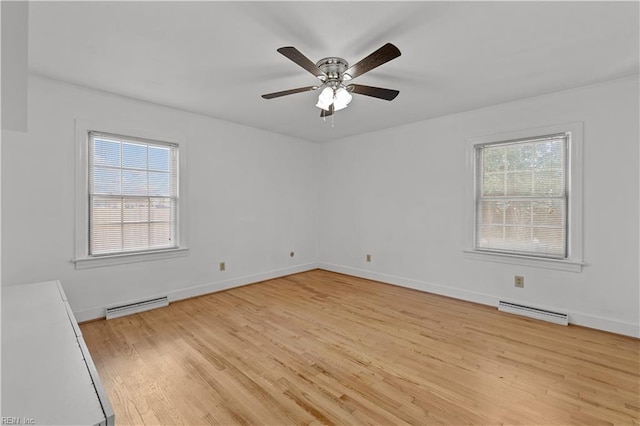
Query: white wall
point(399, 195)
point(14, 52)
point(252, 199)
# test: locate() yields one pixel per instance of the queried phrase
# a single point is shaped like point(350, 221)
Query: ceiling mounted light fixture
point(339, 98)
point(334, 72)
point(325, 99)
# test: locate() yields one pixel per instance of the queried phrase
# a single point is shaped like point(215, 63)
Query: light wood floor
point(323, 348)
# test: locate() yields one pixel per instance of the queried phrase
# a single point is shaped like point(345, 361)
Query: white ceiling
point(217, 58)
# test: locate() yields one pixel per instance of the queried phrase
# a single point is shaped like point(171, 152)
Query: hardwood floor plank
point(325, 348)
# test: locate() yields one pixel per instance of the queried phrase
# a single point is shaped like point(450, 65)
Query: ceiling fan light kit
point(334, 72)
point(325, 99)
point(341, 99)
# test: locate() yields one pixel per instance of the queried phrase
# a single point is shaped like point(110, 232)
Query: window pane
point(106, 239)
point(518, 213)
point(160, 235)
point(519, 157)
point(518, 239)
point(134, 156)
point(134, 182)
point(106, 210)
point(105, 181)
point(493, 184)
point(518, 183)
point(549, 182)
point(550, 154)
point(491, 236)
point(159, 158)
point(492, 212)
point(135, 210)
point(106, 153)
point(161, 210)
point(159, 184)
point(549, 241)
point(549, 213)
point(493, 159)
point(135, 236)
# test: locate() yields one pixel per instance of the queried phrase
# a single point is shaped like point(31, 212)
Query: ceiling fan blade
point(296, 56)
point(377, 58)
point(324, 113)
point(289, 92)
point(374, 92)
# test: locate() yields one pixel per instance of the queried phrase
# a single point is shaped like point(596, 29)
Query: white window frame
point(82, 258)
point(574, 175)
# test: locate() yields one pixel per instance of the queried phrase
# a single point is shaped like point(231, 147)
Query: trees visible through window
point(133, 194)
point(522, 196)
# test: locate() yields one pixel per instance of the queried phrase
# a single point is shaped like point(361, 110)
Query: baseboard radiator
point(528, 311)
point(134, 308)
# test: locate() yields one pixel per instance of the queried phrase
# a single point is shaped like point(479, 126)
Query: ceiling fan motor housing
point(334, 68)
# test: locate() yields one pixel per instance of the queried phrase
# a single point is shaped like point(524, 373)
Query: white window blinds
point(133, 194)
point(522, 197)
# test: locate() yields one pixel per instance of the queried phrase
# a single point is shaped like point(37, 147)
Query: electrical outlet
point(518, 281)
point(368, 258)
point(222, 266)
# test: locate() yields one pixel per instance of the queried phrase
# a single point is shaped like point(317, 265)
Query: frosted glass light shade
point(341, 99)
point(325, 99)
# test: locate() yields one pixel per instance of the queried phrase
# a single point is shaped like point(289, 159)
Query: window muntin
point(133, 195)
point(522, 197)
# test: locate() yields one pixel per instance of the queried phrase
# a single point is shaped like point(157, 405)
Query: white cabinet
point(48, 376)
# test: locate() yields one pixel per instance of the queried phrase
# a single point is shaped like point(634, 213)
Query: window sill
point(119, 259)
point(536, 262)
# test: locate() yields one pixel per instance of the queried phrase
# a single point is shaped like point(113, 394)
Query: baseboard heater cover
point(528, 311)
point(134, 308)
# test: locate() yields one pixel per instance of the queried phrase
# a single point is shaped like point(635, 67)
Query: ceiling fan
point(335, 73)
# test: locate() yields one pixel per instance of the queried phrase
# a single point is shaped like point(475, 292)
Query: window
point(133, 194)
point(521, 197)
point(130, 197)
point(526, 198)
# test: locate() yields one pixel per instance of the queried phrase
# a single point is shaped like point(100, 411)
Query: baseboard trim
point(576, 318)
point(471, 296)
point(604, 324)
point(200, 290)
